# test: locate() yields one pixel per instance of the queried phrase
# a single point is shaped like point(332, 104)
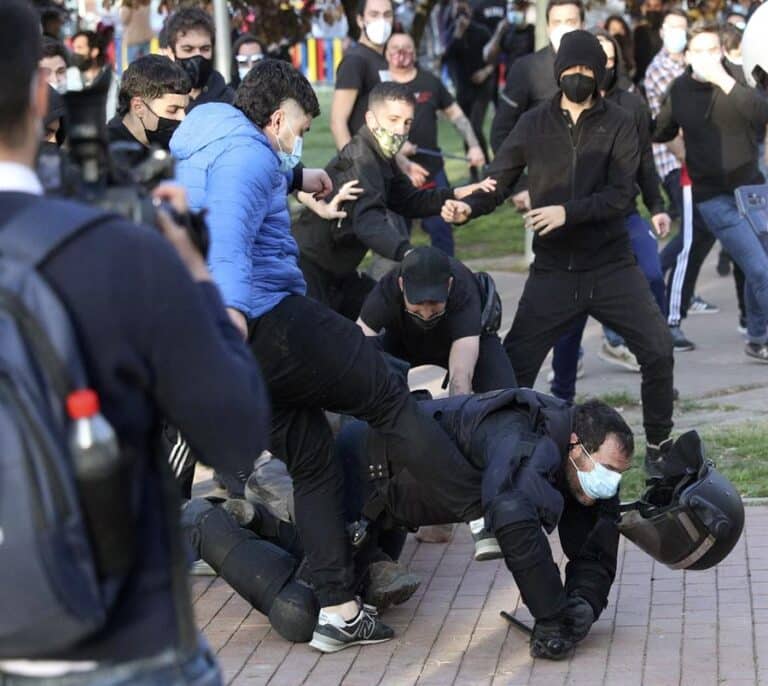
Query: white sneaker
point(201, 568)
point(618, 355)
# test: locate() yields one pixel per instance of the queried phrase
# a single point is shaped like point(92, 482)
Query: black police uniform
point(518, 439)
point(384, 308)
point(331, 251)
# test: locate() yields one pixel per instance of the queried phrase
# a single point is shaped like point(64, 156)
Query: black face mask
point(654, 19)
point(426, 324)
point(198, 68)
point(161, 136)
point(577, 87)
point(608, 79)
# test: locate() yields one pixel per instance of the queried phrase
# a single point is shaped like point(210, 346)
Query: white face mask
point(675, 40)
point(378, 31)
point(600, 483)
point(557, 35)
point(242, 72)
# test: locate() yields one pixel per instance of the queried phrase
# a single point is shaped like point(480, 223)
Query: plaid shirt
point(661, 72)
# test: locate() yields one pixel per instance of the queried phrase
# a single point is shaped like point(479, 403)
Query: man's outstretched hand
point(316, 182)
point(456, 212)
point(487, 185)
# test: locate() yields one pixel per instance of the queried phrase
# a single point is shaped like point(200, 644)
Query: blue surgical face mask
point(288, 160)
point(515, 17)
point(600, 483)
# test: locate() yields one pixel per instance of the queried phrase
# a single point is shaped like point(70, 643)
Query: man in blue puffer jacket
point(240, 162)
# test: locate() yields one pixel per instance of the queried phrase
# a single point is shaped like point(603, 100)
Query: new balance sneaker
point(389, 583)
point(332, 633)
point(679, 342)
point(486, 545)
point(700, 306)
point(619, 355)
point(757, 351)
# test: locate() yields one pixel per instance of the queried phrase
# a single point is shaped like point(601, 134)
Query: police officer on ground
point(132, 295)
point(544, 465)
point(582, 154)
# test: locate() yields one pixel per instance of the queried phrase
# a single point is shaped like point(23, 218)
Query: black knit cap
point(580, 48)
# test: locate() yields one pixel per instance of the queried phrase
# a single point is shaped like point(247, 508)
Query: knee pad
point(294, 612)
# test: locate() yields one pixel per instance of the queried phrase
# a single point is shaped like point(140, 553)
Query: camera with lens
point(119, 177)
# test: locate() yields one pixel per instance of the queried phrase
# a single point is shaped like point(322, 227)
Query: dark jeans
point(474, 102)
point(313, 360)
point(492, 371)
point(343, 294)
point(439, 231)
point(683, 273)
point(565, 358)
point(166, 669)
point(617, 295)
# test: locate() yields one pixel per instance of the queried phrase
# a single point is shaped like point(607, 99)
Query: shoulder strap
point(35, 232)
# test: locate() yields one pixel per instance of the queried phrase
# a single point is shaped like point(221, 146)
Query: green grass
point(740, 452)
point(494, 235)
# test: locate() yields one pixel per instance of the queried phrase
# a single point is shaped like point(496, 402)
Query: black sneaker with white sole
point(757, 351)
point(700, 306)
point(332, 633)
point(679, 342)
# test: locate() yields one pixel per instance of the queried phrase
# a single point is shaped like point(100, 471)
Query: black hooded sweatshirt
point(215, 90)
point(722, 133)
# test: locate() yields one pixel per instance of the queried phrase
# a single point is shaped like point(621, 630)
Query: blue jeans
point(165, 669)
point(439, 231)
point(565, 358)
point(722, 218)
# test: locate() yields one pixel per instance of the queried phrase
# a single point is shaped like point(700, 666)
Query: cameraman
point(154, 95)
point(152, 332)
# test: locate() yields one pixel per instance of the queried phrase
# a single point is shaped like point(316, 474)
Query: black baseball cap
point(426, 273)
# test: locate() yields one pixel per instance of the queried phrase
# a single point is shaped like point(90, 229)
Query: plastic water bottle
point(103, 477)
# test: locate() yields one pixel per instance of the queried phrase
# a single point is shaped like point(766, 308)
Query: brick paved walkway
point(661, 628)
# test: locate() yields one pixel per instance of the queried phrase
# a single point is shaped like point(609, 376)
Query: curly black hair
point(268, 85)
point(593, 421)
point(185, 20)
point(150, 77)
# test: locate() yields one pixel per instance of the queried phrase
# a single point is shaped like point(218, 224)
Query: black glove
point(551, 639)
point(579, 617)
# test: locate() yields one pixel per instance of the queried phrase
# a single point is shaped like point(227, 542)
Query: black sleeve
point(350, 73)
point(665, 127)
point(444, 97)
point(506, 168)
point(752, 105)
point(205, 380)
point(413, 203)
point(590, 540)
point(647, 177)
point(617, 195)
point(513, 102)
point(369, 213)
point(378, 309)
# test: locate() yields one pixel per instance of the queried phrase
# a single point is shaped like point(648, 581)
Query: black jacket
point(722, 133)
point(530, 81)
point(519, 439)
point(589, 168)
point(647, 177)
point(155, 345)
point(373, 220)
point(216, 90)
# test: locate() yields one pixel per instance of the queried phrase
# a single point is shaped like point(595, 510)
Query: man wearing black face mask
point(582, 154)
point(189, 37)
point(431, 311)
point(151, 104)
point(647, 37)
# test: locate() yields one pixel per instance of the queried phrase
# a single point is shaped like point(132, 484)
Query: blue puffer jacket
point(226, 164)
